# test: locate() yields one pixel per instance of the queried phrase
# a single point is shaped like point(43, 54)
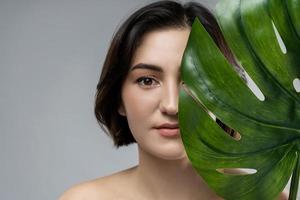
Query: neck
point(170, 179)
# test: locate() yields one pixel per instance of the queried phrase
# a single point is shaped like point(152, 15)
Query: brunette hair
point(158, 15)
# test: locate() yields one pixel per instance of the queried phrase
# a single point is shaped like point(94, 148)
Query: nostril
point(170, 109)
point(169, 104)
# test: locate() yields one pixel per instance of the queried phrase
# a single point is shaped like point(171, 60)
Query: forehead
point(162, 47)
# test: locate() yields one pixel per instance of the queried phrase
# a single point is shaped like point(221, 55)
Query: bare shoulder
point(87, 190)
point(104, 188)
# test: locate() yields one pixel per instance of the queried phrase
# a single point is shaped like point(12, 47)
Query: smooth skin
point(149, 99)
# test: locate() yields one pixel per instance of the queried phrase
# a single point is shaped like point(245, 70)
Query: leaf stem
point(295, 180)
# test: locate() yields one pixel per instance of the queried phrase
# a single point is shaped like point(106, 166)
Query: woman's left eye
point(146, 81)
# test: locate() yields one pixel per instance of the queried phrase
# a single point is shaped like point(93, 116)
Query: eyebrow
point(147, 66)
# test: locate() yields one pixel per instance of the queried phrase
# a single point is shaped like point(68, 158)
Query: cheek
point(140, 107)
point(138, 104)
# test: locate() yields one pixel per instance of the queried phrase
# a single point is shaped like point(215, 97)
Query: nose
point(169, 99)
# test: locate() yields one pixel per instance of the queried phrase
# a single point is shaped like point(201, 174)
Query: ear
point(121, 110)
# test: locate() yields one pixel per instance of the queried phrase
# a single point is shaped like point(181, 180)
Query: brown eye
point(147, 81)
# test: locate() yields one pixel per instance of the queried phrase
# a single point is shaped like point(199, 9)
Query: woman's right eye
point(148, 82)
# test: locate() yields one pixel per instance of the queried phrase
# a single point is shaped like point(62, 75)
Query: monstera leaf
point(269, 126)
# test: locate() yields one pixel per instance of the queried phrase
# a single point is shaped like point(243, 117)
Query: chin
point(165, 151)
point(174, 157)
point(172, 154)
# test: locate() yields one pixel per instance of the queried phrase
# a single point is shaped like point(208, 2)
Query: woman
point(137, 101)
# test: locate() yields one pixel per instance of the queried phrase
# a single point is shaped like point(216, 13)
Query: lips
point(168, 129)
point(168, 125)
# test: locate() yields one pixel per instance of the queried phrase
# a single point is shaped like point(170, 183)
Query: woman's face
point(150, 93)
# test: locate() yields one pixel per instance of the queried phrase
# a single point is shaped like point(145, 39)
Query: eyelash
point(141, 80)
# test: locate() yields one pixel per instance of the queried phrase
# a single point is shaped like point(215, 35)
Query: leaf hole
point(234, 134)
point(212, 115)
point(279, 39)
point(236, 171)
point(250, 83)
point(254, 88)
point(296, 84)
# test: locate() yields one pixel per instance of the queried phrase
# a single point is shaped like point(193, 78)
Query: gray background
point(50, 60)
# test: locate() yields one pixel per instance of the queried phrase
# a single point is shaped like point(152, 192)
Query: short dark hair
point(158, 15)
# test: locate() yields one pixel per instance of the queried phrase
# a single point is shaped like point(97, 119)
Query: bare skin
point(164, 171)
point(125, 185)
point(150, 180)
point(136, 184)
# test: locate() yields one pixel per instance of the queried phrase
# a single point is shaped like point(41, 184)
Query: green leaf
point(293, 8)
point(269, 129)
